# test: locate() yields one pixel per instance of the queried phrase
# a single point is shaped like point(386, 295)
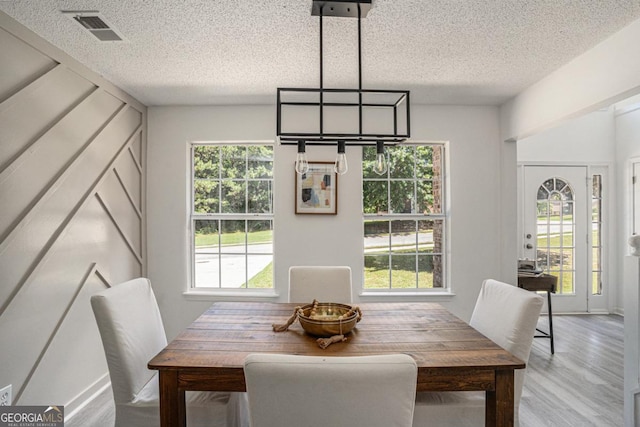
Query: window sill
point(423, 295)
point(229, 295)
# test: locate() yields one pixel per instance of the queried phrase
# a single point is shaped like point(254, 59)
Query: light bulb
point(381, 159)
point(341, 166)
point(302, 164)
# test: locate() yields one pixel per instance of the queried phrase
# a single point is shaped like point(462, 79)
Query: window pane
point(403, 272)
point(566, 282)
point(424, 162)
point(595, 210)
point(260, 161)
point(403, 236)
point(206, 236)
point(206, 160)
point(426, 199)
point(378, 229)
point(597, 289)
point(234, 271)
point(567, 210)
point(567, 259)
point(402, 196)
point(207, 270)
point(596, 234)
point(567, 193)
point(543, 194)
point(401, 162)
point(555, 258)
point(597, 186)
point(260, 197)
point(234, 196)
point(260, 271)
point(429, 271)
point(426, 237)
point(543, 210)
point(542, 257)
point(375, 197)
point(376, 272)
point(234, 161)
point(260, 237)
point(232, 236)
point(205, 196)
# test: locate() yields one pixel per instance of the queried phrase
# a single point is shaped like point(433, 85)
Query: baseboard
point(619, 311)
point(85, 397)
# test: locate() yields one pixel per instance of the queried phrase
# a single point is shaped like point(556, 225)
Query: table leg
point(172, 406)
point(499, 410)
point(550, 322)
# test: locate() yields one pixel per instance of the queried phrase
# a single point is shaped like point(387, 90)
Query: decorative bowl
point(326, 321)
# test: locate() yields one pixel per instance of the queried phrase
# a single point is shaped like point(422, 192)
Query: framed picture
point(316, 190)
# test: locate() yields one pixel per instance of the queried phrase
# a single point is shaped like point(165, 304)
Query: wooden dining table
point(450, 354)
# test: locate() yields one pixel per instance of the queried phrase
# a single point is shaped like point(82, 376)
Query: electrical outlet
point(5, 396)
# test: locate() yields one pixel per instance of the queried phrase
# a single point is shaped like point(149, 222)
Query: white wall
point(475, 170)
point(71, 215)
point(587, 139)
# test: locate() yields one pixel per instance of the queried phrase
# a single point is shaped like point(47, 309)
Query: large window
point(404, 219)
point(232, 216)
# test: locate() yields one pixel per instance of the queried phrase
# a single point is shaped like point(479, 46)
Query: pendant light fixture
point(381, 159)
point(383, 116)
point(302, 164)
point(341, 166)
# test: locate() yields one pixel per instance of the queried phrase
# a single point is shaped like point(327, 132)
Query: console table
point(543, 283)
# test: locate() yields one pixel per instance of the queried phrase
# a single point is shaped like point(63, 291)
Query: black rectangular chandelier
point(342, 117)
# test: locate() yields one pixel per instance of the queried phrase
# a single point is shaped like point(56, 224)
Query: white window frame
point(442, 216)
point(199, 291)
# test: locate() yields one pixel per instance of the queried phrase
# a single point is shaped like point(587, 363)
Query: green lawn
point(402, 279)
point(262, 280)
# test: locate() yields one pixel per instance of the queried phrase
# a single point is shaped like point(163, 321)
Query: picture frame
point(316, 191)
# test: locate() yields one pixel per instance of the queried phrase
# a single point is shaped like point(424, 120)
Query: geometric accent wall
point(72, 215)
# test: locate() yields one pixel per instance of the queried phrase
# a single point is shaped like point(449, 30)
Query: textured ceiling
point(182, 52)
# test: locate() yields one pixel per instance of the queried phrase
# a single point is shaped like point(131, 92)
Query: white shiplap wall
point(72, 215)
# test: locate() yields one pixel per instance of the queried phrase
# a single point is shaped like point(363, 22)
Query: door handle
point(529, 246)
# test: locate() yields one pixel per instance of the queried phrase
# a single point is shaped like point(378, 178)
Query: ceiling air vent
point(92, 21)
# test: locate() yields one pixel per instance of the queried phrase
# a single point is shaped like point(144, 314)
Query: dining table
point(450, 354)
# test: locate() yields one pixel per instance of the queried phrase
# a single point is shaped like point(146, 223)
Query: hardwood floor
point(581, 385)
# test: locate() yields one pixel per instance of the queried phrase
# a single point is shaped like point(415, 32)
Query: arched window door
point(555, 225)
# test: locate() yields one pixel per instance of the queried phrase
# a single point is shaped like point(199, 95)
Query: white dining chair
point(508, 316)
point(132, 333)
point(324, 283)
point(316, 391)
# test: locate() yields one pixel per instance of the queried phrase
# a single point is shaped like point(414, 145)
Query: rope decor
point(329, 321)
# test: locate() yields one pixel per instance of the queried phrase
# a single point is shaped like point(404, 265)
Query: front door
point(556, 230)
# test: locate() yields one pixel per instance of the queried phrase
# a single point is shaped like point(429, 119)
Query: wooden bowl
point(327, 322)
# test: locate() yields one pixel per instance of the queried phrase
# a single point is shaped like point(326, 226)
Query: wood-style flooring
point(581, 385)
